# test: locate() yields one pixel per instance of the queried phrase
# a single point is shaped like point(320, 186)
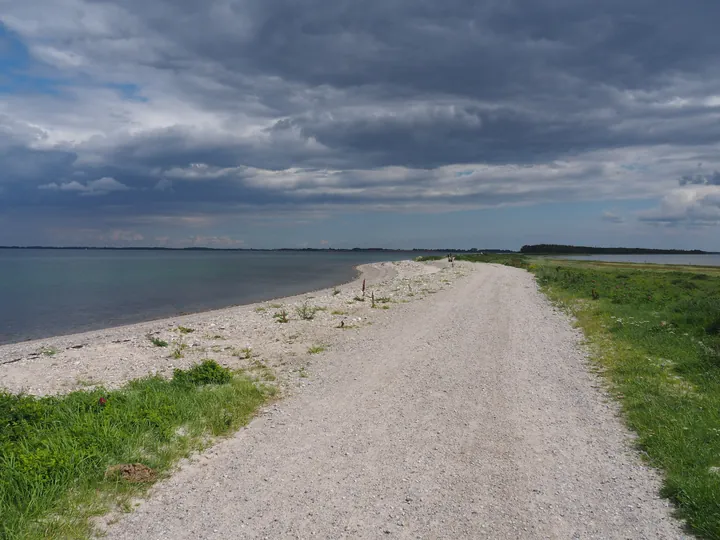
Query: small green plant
point(245, 352)
point(306, 312)
point(339, 312)
point(207, 372)
point(49, 351)
point(316, 349)
point(260, 309)
point(185, 330)
point(281, 316)
point(158, 342)
point(276, 306)
point(303, 374)
point(359, 299)
point(336, 291)
point(178, 350)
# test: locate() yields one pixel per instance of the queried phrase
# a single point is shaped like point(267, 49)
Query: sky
point(381, 123)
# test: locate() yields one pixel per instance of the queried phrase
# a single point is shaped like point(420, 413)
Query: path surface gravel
point(469, 415)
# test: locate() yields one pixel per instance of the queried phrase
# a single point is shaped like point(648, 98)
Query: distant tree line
point(558, 249)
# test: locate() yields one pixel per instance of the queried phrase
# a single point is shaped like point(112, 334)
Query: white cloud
point(697, 205)
point(102, 186)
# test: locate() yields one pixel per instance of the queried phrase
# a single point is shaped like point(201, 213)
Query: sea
point(46, 293)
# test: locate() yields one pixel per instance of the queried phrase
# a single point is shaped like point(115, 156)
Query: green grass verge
point(55, 451)
point(655, 334)
point(512, 259)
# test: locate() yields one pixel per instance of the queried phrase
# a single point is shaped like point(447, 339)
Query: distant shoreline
point(304, 250)
point(540, 249)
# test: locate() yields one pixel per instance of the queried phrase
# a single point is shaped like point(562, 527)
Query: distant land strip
point(537, 249)
point(559, 249)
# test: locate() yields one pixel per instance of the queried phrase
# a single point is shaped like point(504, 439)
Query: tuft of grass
point(281, 316)
point(185, 330)
point(276, 306)
point(306, 312)
point(260, 309)
point(338, 312)
point(178, 350)
point(654, 333)
point(60, 456)
point(49, 351)
point(245, 352)
point(207, 372)
point(359, 299)
point(316, 349)
point(158, 342)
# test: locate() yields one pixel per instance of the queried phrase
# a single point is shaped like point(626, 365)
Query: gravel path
point(469, 415)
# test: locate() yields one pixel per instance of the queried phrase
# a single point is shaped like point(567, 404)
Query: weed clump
point(207, 372)
point(158, 342)
point(306, 312)
point(178, 351)
point(281, 316)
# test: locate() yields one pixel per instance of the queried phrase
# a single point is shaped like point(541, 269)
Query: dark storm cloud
point(208, 105)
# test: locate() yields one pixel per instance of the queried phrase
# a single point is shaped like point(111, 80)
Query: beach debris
point(131, 472)
point(363, 289)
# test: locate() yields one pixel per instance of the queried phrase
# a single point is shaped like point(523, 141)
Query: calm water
point(693, 260)
point(46, 293)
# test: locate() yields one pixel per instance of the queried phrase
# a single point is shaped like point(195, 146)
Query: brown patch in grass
point(131, 472)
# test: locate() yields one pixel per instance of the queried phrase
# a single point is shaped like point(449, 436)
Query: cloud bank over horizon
point(268, 123)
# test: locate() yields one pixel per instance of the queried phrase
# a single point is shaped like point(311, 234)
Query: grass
point(245, 352)
point(281, 316)
point(178, 351)
point(185, 330)
point(57, 453)
point(316, 349)
point(158, 342)
point(49, 351)
point(511, 259)
point(306, 312)
point(338, 312)
point(655, 334)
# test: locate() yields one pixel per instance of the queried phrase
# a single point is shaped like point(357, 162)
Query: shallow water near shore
point(45, 293)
